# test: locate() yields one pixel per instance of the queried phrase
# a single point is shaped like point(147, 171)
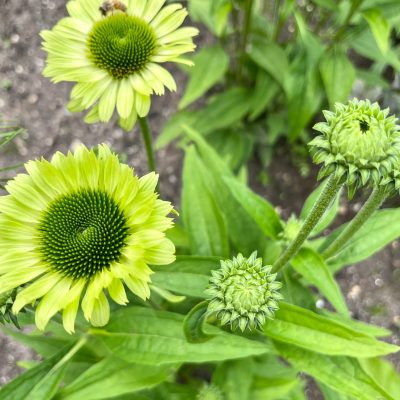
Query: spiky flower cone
point(81, 225)
point(243, 293)
point(359, 144)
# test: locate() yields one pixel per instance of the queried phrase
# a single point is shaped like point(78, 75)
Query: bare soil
point(371, 287)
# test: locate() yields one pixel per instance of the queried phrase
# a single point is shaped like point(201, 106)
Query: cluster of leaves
point(287, 64)
point(145, 353)
point(277, 65)
point(8, 131)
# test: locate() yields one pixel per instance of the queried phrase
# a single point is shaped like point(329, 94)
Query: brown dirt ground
point(371, 287)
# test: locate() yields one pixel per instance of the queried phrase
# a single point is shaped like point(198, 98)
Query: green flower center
point(362, 137)
point(245, 291)
point(121, 44)
point(364, 126)
point(82, 233)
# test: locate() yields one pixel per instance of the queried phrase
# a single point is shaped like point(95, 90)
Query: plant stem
point(375, 200)
point(146, 134)
point(80, 343)
point(246, 30)
point(324, 200)
point(354, 7)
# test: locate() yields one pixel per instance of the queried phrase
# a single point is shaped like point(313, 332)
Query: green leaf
point(193, 324)
point(222, 111)
point(339, 373)
point(273, 379)
point(235, 378)
point(328, 4)
point(383, 374)
point(312, 267)
point(303, 328)
point(360, 326)
point(212, 13)
point(379, 26)
point(202, 218)
point(237, 219)
point(179, 236)
point(142, 335)
point(113, 377)
point(265, 91)
point(295, 292)
point(365, 45)
point(262, 212)
point(188, 275)
point(272, 58)
point(338, 75)
point(173, 128)
point(210, 66)
point(385, 227)
point(234, 146)
point(330, 394)
point(39, 382)
point(330, 213)
point(304, 96)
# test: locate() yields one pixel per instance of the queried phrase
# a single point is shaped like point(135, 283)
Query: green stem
point(145, 129)
point(80, 343)
point(324, 200)
point(278, 21)
point(375, 200)
point(354, 7)
point(246, 31)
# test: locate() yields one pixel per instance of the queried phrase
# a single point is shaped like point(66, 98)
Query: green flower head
point(77, 226)
point(358, 143)
point(243, 293)
point(114, 55)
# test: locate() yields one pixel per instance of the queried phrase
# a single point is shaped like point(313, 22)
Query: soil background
point(371, 288)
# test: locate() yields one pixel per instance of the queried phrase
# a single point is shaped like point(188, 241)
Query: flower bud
point(243, 293)
point(358, 143)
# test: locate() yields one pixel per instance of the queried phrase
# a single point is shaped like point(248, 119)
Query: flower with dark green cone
point(243, 293)
point(115, 58)
point(359, 144)
point(81, 224)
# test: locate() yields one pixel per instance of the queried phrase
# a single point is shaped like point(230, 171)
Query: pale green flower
point(77, 226)
point(115, 59)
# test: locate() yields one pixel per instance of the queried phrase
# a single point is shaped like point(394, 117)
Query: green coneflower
point(79, 225)
point(243, 293)
point(115, 58)
point(359, 144)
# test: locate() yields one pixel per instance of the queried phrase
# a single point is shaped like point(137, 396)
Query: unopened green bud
point(243, 293)
point(358, 143)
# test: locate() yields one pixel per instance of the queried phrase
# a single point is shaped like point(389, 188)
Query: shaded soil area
point(371, 287)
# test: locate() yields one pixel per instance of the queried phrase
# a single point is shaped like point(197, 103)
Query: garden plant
point(124, 295)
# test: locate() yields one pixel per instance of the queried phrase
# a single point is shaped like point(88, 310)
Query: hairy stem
point(375, 200)
point(324, 200)
point(245, 37)
point(146, 134)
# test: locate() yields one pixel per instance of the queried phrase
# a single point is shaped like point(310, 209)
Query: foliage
point(268, 73)
point(277, 64)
